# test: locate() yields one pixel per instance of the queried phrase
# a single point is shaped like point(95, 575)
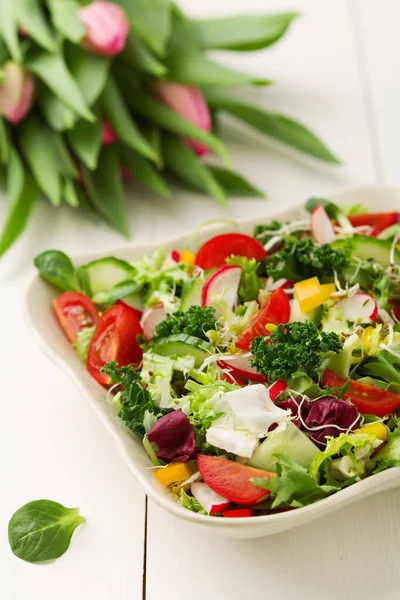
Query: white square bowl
point(46, 331)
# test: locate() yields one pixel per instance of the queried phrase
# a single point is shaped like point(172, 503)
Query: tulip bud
point(188, 102)
point(108, 135)
point(16, 92)
point(107, 27)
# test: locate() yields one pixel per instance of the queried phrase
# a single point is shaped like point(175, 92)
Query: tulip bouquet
point(91, 92)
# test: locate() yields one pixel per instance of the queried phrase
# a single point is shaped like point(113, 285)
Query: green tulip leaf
point(57, 114)
point(183, 163)
point(234, 184)
point(65, 18)
point(243, 32)
point(85, 141)
point(69, 193)
point(143, 170)
point(22, 193)
point(4, 142)
point(33, 20)
point(161, 115)
point(105, 190)
point(52, 70)
point(89, 70)
point(139, 56)
point(274, 125)
point(37, 143)
point(9, 28)
point(150, 21)
point(118, 115)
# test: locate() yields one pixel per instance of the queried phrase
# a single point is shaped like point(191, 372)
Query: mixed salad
point(262, 373)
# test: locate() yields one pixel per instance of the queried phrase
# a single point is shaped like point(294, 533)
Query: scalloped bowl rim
point(43, 326)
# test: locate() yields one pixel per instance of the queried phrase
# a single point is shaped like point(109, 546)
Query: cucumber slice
point(102, 275)
point(389, 232)
point(365, 248)
point(192, 295)
point(183, 345)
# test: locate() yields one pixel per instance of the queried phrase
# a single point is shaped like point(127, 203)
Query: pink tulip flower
point(188, 102)
point(16, 92)
point(107, 27)
point(108, 135)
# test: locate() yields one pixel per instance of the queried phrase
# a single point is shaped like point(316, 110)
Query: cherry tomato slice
point(378, 221)
point(74, 312)
point(213, 253)
point(231, 479)
point(239, 512)
point(233, 379)
point(276, 310)
point(114, 339)
point(368, 399)
point(396, 309)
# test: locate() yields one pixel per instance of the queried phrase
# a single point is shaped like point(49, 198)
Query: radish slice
point(276, 389)
point(224, 281)
point(171, 260)
point(359, 308)
point(151, 318)
point(239, 366)
point(321, 226)
point(211, 501)
point(271, 286)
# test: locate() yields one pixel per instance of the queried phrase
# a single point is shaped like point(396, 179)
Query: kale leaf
point(195, 322)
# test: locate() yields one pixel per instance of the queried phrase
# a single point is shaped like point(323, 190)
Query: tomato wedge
point(378, 221)
point(213, 253)
point(237, 513)
point(396, 309)
point(231, 479)
point(276, 310)
point(114, 339)
point(74, 312)
point(368, 399)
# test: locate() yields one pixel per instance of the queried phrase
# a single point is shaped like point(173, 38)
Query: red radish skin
point(276, 389)
point(239, 513)
point(321, 226)
point(359, 307)
point(212, 502)
point(213, 253)
point(231, 479)
point(173, 258)
point(284, 284)
point(151, 317)
point(240, 368)
point(225, 281)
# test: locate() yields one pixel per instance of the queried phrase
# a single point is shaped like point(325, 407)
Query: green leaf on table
point(89, 70)
point(33, 20)
point(105, 190)
point(118, 115)
point(22, 193)
point(243, 32)
point(42, 530)
point(184, 163)
point(65, 18)
point(234, 184)
point(4, 142)
point(161, 115)
point(195, 69)
point(274, 125)
point(139, 56)
point(57, 268)
point(152, 133)
point(85, 141)
point(66, 165)
point(52, 70)
point(9, 28)
point(150, 21)
point(37, 143)
point(69, 193)
point(143, 170)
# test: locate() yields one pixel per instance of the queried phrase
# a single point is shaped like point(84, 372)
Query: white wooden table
point(338, 71)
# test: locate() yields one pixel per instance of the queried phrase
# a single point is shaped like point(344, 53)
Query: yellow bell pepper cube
point(173, 473)
point(379, 429)
point(326, 290)
point(187, 257)
point(310, 293)
point(366, 338)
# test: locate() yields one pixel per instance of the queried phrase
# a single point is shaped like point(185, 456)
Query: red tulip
point(188, 102)
point(108, 135)
point(16, 92)
point(107, 27)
